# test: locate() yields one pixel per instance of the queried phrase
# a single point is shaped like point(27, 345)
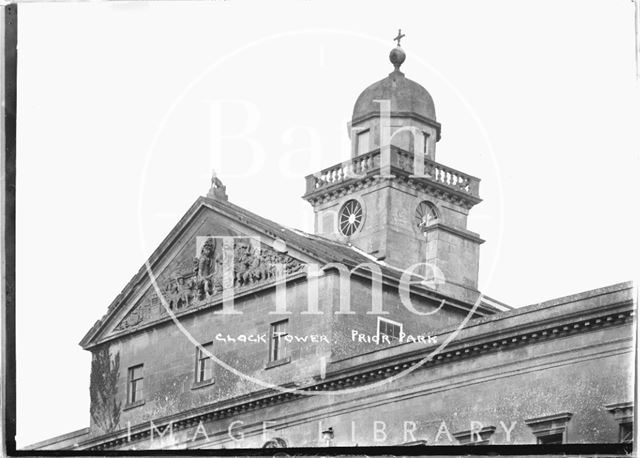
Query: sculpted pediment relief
point(189, 282)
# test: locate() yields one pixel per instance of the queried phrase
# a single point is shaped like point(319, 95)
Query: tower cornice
point(399, 114)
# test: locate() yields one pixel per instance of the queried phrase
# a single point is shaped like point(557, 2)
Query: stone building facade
point(239, 332)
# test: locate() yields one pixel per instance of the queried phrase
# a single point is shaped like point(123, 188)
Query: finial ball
point(397, 57)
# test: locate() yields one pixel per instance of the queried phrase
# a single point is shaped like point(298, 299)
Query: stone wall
point(578, 374)
point(568, 356)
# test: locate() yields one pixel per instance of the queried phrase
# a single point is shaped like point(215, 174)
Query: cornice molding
point(465, 234)
point(622, 412)
point(550, 424)
point(560, 417)
point(399, 114)
point(420, 184)
point(468, 436)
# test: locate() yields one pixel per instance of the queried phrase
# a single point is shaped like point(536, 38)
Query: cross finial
point(399, 37)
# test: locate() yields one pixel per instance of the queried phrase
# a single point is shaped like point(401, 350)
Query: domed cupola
point(409, 105)
point(406, 96)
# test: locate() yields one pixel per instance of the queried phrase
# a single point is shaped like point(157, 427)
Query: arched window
point(426, 213)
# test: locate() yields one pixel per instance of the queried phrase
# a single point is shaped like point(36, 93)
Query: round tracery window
point(350, 218)
point(276, 442)
point(425, 213)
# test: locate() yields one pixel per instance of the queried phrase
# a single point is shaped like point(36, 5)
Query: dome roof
point(405, 95)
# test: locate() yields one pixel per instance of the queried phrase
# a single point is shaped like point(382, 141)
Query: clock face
point(425, 214)
point(350, 218)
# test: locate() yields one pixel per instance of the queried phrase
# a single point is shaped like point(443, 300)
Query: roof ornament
point(217, 190)
point(397, 54)
point(399, 37)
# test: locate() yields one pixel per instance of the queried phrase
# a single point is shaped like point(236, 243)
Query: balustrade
point(362, 165)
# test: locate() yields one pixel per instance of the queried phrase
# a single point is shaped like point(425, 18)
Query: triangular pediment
point(209, 250)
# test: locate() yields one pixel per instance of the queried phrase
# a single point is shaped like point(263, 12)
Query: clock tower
point(391, 199)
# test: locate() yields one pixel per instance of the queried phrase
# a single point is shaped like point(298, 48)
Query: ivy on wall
point(105, 408)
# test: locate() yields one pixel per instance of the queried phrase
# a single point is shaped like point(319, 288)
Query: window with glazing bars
point(277, 341)
point(204, 363)
point(136, 384)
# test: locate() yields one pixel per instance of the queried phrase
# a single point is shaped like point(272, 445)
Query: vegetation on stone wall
point(105, 407)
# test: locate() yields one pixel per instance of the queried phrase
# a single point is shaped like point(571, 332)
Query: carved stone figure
point(178, 293)
point(245, 264)
point(218, 190)
point(135, 317)
point(206, 269)
point(184, 287)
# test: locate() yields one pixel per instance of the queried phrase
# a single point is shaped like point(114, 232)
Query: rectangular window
point(425, 139)
point(136, 384)
point(626, 432)
point(363, 142)
point(550, 439)
point(277, 348)
point(204, 364)
point(550, 429)
point(389, 328)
